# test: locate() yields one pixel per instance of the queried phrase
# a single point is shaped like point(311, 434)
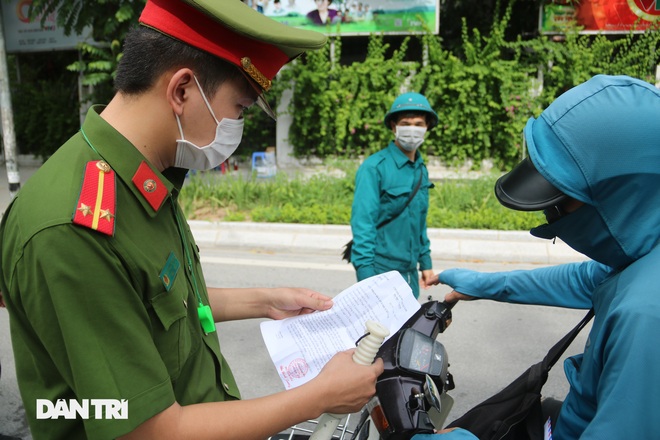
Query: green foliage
point(471, 204)
point(484, 91)
point(108, 21)
point(484, 83)
point(482, 97)
point(45, 116)
point(321, 199)
point(345, 102)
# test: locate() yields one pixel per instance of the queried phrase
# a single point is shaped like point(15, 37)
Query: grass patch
point(326, 199)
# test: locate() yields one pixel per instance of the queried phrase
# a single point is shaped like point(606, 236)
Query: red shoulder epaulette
point(98, 198)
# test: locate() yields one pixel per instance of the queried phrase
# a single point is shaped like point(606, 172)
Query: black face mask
point(585, 231)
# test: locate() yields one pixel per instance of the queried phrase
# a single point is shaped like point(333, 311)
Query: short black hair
point(396, 117)
point(148, 54)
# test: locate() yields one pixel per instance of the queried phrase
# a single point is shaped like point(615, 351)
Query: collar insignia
point(150, 186)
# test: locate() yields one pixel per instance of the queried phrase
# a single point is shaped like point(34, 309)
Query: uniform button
point(103, 166)
point(185, 304)
point(226, 386)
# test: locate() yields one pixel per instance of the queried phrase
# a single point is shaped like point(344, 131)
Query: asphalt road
point(488, 344)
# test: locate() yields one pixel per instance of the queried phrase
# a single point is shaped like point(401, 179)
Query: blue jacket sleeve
point(456, 434)
point(567, 285)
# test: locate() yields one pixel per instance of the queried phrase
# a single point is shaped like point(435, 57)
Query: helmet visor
point(525, 189)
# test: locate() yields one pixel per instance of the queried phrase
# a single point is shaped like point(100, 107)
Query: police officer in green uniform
point(101, 274)
point(391, 200)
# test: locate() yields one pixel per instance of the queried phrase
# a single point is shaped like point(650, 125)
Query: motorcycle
point(411, 394)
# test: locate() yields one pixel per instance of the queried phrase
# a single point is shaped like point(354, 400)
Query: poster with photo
point(600, 16)
point(25, 35)
point(354, 17)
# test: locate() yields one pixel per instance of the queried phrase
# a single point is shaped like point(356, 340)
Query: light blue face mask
point(585, 231)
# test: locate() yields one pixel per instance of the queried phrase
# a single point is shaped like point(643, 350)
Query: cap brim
point(261, 100)
point(525, 189)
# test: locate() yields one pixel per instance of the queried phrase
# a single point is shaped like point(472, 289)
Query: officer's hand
point(347, 386)
point(292, 301)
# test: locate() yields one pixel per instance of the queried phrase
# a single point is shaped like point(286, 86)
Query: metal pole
point(8, 133)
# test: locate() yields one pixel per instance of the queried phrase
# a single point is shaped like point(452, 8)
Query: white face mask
point(409, 137)
point(228, 134)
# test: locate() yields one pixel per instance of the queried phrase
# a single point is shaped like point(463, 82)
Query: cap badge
point(255, 74)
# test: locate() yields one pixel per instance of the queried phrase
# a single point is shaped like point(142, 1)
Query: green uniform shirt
point(95, 316)
point(383, 184)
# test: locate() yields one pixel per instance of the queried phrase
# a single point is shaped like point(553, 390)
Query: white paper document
point(302, 345)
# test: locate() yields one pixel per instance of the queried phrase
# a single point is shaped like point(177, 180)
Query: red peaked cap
point(188, 24)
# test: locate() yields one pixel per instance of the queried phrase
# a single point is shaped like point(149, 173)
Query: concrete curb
point(446, 244)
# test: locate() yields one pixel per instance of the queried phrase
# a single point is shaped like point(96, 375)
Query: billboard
point(600, 16)
point(355, 17)
point(23, 35)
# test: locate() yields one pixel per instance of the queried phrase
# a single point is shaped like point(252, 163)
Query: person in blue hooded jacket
point(594, 169)
point(391, 199)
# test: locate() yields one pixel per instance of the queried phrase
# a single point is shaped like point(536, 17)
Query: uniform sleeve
point(425, 262)
point(364, 220)
point(567, 285)
point(88, 315)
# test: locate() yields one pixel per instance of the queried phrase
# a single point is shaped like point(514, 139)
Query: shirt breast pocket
point(171, 332)
point(393, 199)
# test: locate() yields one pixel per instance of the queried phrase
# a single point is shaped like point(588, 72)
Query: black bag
point(515, 412)
point(346, 254)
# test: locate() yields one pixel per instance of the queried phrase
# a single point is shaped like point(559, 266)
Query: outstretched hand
point(452, 296)
point(455, 296)
point(286, 302)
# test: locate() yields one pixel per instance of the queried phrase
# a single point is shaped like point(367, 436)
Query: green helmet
point(412, 102)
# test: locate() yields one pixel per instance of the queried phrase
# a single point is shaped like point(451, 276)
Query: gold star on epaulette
point(86, 210)
point(106, 214)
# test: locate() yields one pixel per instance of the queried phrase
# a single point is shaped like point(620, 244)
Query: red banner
point(606, 16)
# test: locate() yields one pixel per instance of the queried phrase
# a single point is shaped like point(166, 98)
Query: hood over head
point(599, 143)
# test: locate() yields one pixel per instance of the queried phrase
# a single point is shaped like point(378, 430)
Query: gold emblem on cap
point(103, 166)
point(256, 75)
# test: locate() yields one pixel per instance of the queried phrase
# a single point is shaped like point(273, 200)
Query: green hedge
point(484, 88)
point(484, 95)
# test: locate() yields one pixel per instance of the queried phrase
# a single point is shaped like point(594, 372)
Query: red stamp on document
point(297, 368)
